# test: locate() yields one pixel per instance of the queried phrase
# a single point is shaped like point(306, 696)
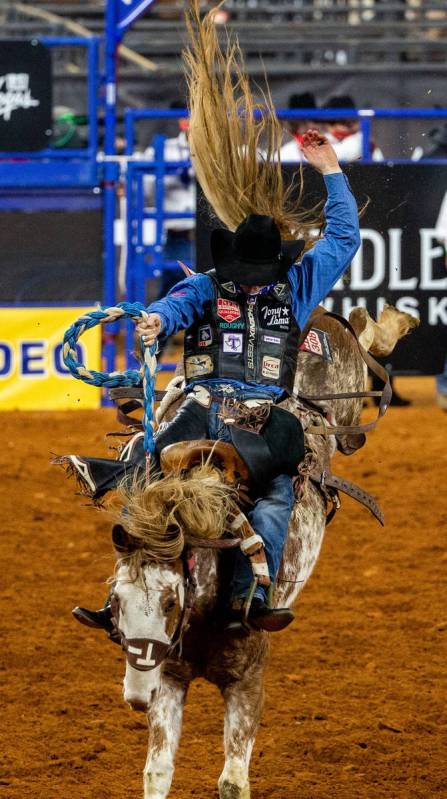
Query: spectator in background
point(179, 197)
point(291, 152)
point(436, 147)
point(345, 134)
point(69, 129)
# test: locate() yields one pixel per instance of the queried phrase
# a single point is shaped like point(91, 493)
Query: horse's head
point(148, 609)
point(153, 576)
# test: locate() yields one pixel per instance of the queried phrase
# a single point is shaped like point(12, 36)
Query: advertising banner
point(402, 260)
point(33, 375)
point(25, 96)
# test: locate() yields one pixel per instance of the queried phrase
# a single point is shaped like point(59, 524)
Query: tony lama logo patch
point(270, 367)
point(228, 310)
point(233, 342)
point(197, 365)
point(278, 317)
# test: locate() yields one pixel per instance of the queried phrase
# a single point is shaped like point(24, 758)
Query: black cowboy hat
point(304, 100)
point(254, 254)
point(337, 102)
point(340, 101)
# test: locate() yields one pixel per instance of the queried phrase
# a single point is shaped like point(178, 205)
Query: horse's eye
point(170, 605)
point(114, 605)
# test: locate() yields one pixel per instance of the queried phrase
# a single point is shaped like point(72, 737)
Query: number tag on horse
point(317, 343)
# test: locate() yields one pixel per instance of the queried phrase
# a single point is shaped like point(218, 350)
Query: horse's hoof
point(229, 790)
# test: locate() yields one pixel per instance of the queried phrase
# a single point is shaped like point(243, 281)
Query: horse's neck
point(206, 577)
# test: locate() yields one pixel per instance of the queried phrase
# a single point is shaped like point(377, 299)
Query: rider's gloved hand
point(149, 328)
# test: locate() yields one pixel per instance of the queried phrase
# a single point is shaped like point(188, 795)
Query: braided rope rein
point(131, 377)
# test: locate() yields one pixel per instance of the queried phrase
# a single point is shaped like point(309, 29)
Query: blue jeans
point(269, 516)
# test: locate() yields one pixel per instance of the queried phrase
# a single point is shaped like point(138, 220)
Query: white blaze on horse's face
point(148, 612)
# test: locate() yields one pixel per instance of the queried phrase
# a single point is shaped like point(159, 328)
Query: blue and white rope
point(131, 377)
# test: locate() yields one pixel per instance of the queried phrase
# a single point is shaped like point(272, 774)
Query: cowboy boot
point(260, 617)
point(96, 619)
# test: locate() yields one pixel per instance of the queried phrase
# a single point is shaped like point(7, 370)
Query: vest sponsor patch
point(228, 310)
point(233, 342)
point(196, 365)
point(205, 336)
point(280, 289)
point(230, 287)
point(278, 317)
point(272, 339)
point(317, 343)
point(232, 325)
point(270, 367)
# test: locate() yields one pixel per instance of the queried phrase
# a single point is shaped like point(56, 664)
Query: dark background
point(51, 256)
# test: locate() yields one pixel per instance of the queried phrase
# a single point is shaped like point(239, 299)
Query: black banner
point(25, 96)
point(402, 260)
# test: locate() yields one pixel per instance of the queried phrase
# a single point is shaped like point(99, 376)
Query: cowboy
point(243, 321)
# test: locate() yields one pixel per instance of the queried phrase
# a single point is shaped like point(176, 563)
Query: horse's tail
point(158, 516)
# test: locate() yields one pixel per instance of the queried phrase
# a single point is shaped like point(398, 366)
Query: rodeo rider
point(243, 321)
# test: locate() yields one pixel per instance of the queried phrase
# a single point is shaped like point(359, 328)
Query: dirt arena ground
point(355, 692)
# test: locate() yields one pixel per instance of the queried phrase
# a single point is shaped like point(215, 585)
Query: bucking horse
point(175, 538)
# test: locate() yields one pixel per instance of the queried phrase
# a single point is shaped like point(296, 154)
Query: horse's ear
point(122, 541)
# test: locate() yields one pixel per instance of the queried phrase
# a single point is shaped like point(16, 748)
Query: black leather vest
point(254, 342)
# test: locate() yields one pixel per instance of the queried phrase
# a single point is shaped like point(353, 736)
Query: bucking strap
point(329, 480)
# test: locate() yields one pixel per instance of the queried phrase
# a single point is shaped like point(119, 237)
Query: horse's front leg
point(243, 705)
point(165, 724)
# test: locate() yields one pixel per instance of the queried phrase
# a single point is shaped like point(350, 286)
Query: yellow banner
point(33, 375)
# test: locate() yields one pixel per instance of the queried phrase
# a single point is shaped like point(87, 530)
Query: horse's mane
point(158, 516)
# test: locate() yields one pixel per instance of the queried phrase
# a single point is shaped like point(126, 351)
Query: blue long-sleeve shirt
point(311, 280)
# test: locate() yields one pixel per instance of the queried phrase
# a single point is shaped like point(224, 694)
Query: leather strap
point(329, 480)
point(133, 392)
point(213, 543)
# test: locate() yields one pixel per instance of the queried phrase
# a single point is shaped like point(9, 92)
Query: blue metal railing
point(365, 117)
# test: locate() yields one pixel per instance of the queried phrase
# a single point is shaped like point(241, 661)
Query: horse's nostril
point(139, 707)
point(152, 695)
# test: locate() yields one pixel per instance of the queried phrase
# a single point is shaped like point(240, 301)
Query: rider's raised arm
point(184, 303)
point(321, 267)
